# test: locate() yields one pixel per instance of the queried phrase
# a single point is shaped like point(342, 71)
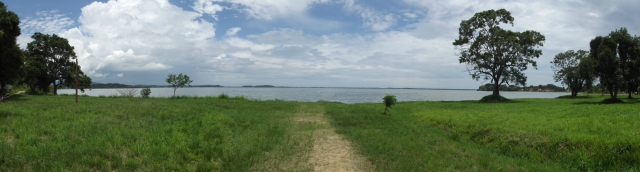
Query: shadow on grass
point(15, 98)
point(577, 97)
point(5, 114)
point(610, 101)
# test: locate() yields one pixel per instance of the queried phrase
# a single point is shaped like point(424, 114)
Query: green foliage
point(11, 59)
point(177, 81)
point(616, 61)
point(145, 92)
point(573, 69)
point(49, 62)
point(388, 101)
point(492, 53)
point(223, 96)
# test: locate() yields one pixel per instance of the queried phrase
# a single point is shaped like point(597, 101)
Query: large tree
point(56, 54)
point(10, 53)
point(628, 49)
point(573, 70)
point(607, 64)
point(495, 54)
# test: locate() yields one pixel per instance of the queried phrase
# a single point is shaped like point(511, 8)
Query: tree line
point(500, 56)
point(46, 64)
point(613, 61)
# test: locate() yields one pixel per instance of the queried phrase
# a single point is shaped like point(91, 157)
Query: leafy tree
point(388, 101)
point(495, 54)
point(567, 70)
point(628, 49)
point(607, 64)
point(56, 53)
point(177, 81)
point(587, 73)
point(145, 92)
point(10, 54)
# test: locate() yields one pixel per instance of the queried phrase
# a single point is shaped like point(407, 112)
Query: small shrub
point(388, 101)
point(223, 96)
point(145, 92)
point(493, 99)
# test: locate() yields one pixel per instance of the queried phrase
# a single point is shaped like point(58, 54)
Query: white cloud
point(47, 22)
point(377, 21)
point(138, 35)
point(233, 31)
point(120, 75)
point(260, 9)
point(207, 7)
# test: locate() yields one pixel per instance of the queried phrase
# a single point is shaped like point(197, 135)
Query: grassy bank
point(105, 134)
point(534, 134)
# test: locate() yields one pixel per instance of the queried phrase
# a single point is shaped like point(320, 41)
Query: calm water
point(345, 95)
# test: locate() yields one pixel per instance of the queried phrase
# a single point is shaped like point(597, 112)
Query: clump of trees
point(575, 70)
point(48, 61)
point(492, 53)
point(614, 60)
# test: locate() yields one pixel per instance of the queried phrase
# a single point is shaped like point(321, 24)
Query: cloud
point(259, 9)
point(377, 21)
point(47, 22)
point(120, 75)
point(138, 35)
point(233, 31)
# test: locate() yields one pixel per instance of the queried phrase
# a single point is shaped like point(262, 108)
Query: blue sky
point(335, 43)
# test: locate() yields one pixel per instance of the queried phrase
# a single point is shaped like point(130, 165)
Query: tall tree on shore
point(492, 53)
point(570, 70)
point(607, 64)
point(57, 54)
point(628, 49)
point(10, 54)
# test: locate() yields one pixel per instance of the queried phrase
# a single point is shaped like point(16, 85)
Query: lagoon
point(344, 95)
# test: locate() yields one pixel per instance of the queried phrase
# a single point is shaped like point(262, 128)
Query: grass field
point(536, 134)
point(105, 134)
point(213, 134)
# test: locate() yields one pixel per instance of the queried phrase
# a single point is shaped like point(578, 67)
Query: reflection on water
point(344, 95)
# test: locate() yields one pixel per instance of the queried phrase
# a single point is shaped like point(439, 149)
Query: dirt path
point(331, 152)
point(315, 145)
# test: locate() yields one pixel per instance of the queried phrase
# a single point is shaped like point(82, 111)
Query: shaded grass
point(54, 133)
point(401, 142)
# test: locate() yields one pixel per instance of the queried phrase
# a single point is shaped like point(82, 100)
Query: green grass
point(220, 133)
point(583, 134)
point(105, 134)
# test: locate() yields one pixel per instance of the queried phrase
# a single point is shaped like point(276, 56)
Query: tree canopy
point(10, 54)
point(616, 59)
point(177, 81)
point(49, 62)
point(573, 70)
point(492, 53)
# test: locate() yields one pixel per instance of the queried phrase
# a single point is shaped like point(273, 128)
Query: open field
point(536, 134)
point(212, 134)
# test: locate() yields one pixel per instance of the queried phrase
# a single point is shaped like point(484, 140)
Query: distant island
point(259, 86)
point(532, 88)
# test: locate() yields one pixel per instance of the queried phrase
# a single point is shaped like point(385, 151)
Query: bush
point(493, 99)
point(388, 101)
point(223, 96)
point(145, 92)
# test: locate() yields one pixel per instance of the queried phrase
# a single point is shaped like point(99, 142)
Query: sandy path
point(331, 152)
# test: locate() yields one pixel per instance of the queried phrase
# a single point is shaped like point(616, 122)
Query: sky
point(304, 43)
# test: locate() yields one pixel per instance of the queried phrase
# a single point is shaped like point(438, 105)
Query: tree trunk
point(496, 88)
point(174, 92)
